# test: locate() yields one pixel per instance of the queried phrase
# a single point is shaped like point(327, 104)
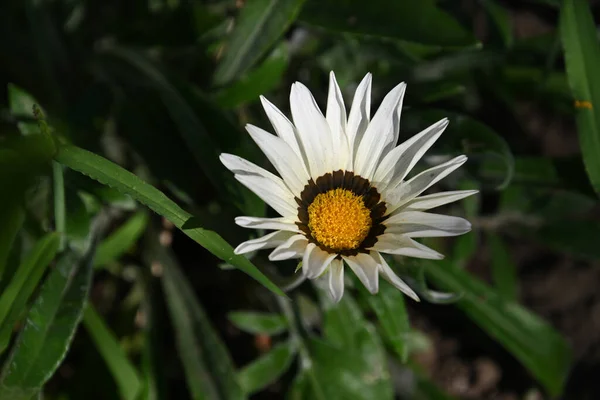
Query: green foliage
point(408, 21)
point(121, 368)
point(112, 175)
point(582, 59)
point(257, 27)
point(535, 343)
point(266, 369)
point(49, 328)
point(254, 322)
point(208, 368)
point(155, 91)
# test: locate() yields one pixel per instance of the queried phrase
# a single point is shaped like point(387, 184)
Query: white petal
point(336, 118)
point(360, 114)
point(401, 245)
point(397, 163)
point(421, 224)
point(366, 269)
point(313, 130)
point(381, 133)
point(284, 159)
point(293, 247)
point(389, 275)
point(269, 241)
point(336, 280)
point(406, 191)
point(283, 126)
point(273, 192)
point(240, 166)
point(315, 261)
point(283, 224)
point(423, 203)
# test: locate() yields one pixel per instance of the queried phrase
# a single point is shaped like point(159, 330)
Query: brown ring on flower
point(357, 185)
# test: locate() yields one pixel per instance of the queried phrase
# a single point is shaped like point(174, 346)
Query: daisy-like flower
point(343, 193)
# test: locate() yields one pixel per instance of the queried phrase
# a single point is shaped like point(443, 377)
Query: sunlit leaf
point(21, 104)
point(582, 60)
point(112, 175)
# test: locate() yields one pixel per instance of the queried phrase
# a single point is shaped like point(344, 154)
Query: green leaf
point(207, 365)
point(15, 296)
point(266, 369)
point(121, 240)
point(11, 220)
point(352, 364)
point(501, 19)
point(504, 270)
point(391, 312)
point(122, 370)
point(21, 104)
point(405, 20)
point(60, 212)
point(50, 326)
point(530, 339)
point(582, 60)
point(112, 175)
point(257, 322)
point(259, 25)
point(259, 81)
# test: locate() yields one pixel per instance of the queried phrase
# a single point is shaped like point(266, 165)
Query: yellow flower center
point(339, 219)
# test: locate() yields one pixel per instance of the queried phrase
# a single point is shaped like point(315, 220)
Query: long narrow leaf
point(49, 329)
point(582, 59)
point(207, 365)
point(14, 298)
point(259, 25)
point(121, 240)
point(113, 175)
point(123, 372)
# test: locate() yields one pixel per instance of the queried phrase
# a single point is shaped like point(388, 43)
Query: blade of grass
point(122, 370)
point(260, 24)
point(14, 298)
point(110, 174)
point(121, 240)
point(582, 61)
point(207, 365)
point(60, 213)
point(50, 326)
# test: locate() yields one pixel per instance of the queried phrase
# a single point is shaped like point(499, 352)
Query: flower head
point(343, 193)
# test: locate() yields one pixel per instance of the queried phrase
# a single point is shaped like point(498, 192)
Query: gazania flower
point(343, 193)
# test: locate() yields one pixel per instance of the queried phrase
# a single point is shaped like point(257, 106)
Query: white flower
point(343, 196)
